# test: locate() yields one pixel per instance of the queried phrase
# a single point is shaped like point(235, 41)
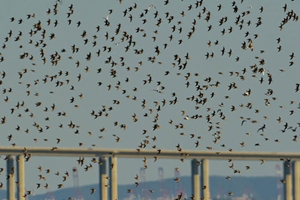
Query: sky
point(88, 96)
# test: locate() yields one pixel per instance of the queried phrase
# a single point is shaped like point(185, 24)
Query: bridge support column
point(113, 165)
point(288, 181)
point(21, 177)
point(102, 178)
point(109, 180)
point(195, 179)
point(296, 180)
point(11, 178)
point(205, 179)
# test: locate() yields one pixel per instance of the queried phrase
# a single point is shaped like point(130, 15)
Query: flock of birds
point(147, 70)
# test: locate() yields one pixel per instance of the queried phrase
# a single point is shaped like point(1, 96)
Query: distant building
point(244, 197)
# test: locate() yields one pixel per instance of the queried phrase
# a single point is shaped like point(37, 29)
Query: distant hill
point(262, 188)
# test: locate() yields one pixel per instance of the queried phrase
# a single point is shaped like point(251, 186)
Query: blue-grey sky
point(218, 68)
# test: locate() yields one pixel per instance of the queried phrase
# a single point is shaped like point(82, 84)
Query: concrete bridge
point(107, 157)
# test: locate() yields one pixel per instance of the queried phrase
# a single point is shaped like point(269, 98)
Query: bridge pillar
point(288, 181)
point(205, 179)
point(109, 180)
point(21, 177)
point(296, 180)
point(10, 178)
point(102, 178)
point(113, 165)
point(195, 179)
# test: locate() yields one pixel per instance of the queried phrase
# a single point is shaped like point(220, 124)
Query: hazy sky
point(91, 14)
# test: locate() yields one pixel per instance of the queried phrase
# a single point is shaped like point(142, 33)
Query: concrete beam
point(102, 178)
point(205, 179)
point(287, 190)
point(296, 180)
point(195, 179)
point(10, 178)
point(148, 153)
point(113, 178)
point(21, 177)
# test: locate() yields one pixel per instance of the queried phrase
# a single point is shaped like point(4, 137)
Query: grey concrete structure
point(103, 178)
point(10, 178)
point(21, 177)
point(109, 180)
point(205, 178)
point(287, 190)
point(113, 154)
point(195, 179)
point(149, 153)
point(113, 178)
point(296, 180)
